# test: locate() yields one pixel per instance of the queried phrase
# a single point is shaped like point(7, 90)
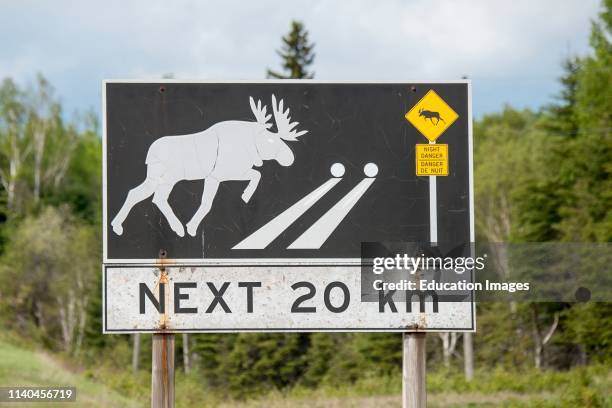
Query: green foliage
point(502, 339)
point(560, 118)
point(575, 202)
point(36, 146)
point(546, 177)
point(595, 85)
point(591, 326)
point(47, 275)
point(586, 387)
point(259, 361)
point(381, 352)
point(589, 215)
point(346, 365)
point(323, 348)
point(212, 351)
point(342, 358)
point(297, 54)
point(508, 153)
point(82, 188)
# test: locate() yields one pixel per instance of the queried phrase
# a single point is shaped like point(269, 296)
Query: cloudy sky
point(510, 49)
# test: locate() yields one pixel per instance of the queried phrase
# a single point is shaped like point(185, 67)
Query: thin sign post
point(162, 350)
point(414, 376)
point(162, 371)
point(414, 392)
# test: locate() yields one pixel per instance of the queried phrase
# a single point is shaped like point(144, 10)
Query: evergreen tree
point(260, 361)
point(590, 325)
point(321, 352)
point(333, 359)
point(381, 352)
point(574, 203)
point(297, 54)
point(93, 339)
point(211, 352)
point(560, 118)
point(589, 216)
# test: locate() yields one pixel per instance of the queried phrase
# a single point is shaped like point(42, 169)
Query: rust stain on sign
point(163, 280)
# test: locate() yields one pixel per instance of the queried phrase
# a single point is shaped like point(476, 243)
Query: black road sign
point(279, 171)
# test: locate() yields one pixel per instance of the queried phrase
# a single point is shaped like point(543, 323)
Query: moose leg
point(135, 195)
point(253, 176)
point(160, 199)
point(208, 195)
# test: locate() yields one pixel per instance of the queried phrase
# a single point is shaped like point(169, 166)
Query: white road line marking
point(315, 236)
point(266, 234)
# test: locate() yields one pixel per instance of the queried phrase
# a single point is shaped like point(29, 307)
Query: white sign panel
point(224, 299)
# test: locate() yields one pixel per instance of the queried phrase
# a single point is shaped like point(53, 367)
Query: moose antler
point(283, 122)
point(260, 113)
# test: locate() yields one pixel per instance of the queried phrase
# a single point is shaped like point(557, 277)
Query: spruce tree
point(297, 54)
point(560, 118)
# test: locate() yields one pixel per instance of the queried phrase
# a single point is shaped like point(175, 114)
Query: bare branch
point(552, 329)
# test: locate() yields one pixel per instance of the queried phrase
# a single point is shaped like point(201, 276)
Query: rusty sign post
point(271, 199)
point(162, 354)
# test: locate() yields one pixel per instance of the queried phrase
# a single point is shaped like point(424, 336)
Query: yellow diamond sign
point(431, 115)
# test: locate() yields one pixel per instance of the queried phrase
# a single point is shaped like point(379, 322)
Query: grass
point(582, 387)
point(20, 366)
point(106, 386)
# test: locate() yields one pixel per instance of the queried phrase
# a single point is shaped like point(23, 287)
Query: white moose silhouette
point(225, 151)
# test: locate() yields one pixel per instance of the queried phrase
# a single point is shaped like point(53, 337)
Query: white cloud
point(76, 43)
